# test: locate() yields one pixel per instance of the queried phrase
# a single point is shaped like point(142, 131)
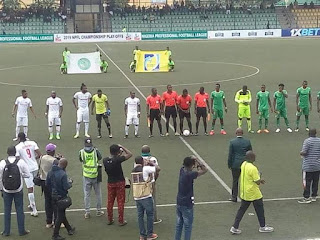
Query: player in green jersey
point(280, 108)
point(303, 99)
point(217, 101)
point(171, 64)
point(65, 54)
point(262, 108)
point(318, 102)
point(63, 68)
point(104, 66)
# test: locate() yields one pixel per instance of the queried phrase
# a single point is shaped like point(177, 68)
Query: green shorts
point(264, 114)
point(281, 113)
point(303, 111)
point(217, 113)
point(244, 112)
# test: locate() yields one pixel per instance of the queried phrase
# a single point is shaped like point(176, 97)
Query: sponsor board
point(174, 35)
point(96, 37)
point(301, 32)
point(27, 38)
point(262, 33)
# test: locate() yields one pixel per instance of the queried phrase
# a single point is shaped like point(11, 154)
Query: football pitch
point(198, 63)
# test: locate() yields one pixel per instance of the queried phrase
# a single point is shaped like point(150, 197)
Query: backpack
point(11, 178)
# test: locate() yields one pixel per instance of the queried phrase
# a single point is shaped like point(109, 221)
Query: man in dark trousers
point(237, 152)
point(58, 182)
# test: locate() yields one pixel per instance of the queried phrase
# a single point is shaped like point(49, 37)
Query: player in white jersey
point(84, 99)
point(53, 114)
point(132, 111)
point(29, 152)
point(20, 109)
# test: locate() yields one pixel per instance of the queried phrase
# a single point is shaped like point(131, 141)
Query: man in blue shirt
point(185, 198)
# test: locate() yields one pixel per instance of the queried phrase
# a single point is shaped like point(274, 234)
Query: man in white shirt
point(53, 114)
point(16, 193)
point(84, 99)
point(29, 152)
point(132, 111)
point(20, 109)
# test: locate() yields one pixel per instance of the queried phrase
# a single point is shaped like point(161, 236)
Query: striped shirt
point(311, 161)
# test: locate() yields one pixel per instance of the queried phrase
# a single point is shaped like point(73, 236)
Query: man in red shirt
point(169, 99)
point(154, 105)
point(201, 100)
point(184, 105)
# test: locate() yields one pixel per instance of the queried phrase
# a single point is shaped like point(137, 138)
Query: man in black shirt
point(116, 181)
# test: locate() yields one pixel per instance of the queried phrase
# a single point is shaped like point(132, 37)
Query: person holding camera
point(90, 157)
point(59, 184)
point(185, 198)
point(116, 181)
point(142, 176)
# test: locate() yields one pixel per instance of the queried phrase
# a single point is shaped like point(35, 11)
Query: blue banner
point(301, 32)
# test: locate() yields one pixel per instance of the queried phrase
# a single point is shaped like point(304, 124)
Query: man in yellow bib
point(250, 193)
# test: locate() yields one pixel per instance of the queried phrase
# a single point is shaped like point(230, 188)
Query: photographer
point(185, 198)
point(59, 184)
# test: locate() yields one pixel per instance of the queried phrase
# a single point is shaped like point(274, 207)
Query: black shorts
point(201, 112)
point(155, 114)
point(170, 111)
point(103, 115)
point(183, 114)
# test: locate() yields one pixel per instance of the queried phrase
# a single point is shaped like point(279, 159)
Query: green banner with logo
point(26, 38)
point(174, 35)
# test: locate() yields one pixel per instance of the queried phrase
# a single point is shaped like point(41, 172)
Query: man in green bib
point(218, 100)
point(65, 55)
point(303, 99)
point(90, 157)
point(262, 107)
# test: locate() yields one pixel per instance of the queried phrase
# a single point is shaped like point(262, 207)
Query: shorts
point(281, 113)
point(170, 111)
point(201, 112)
point(244, 112)
point(54, 121)
point(132, 119)
point(22, 121)
point(104, 116)
point(83, 115)
point(183, 114)
point(264, 114)
point(29, 181)
point(303, 111)
point(155, 114)
point(217, 113)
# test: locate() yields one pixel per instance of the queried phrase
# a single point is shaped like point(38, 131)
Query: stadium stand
point(307, 18)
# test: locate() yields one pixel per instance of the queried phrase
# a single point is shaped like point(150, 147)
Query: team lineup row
point(170, 105)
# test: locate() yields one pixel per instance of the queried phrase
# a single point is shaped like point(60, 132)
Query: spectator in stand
point(104, 5)
point(312, 4)
point(268, 25)
point(228, 9)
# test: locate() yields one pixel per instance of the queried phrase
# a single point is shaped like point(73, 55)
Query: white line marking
point(173, 204)
point(181, 138)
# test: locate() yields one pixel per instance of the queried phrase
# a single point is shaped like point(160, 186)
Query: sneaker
point(307, 129)
point(58, 238)
point(211, 133)
point(259, 131)
point(99, 213)
point(205, 133)
point(313, 199)
point(305, 200)
point(296, 130)
point(150, 136)
point(34, 214)
point(7, 234)
point(126, 136)
point(223, 132)
point(167, 134)
point(51, 136)
point(87, 215)
point(157, 221)
point(153, 236)
point(27, 139)
point(123, 223)
point(251, 131)
point(177, 134)
point(111, 222)
point(266, 229)
point(161, 135)
point(26, 232)
point(110, 135)
point(87, 135)
point(99, 136)
point(137, 136)
point(58, 136)
point(278, 130)
point(72, 231)
point(76, 136)
point(15, 139)
point(235, 231)
point(49, 225)
point(289, 130)
point(196, 134)
point(266, 131)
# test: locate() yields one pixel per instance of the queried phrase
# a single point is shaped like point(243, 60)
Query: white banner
point(96, 37)
point(83, 63)
point(261, 33)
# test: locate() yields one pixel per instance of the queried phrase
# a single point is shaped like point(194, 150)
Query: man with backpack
point(12, 170)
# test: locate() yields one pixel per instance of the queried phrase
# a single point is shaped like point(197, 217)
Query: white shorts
point(83, 115)
point(54, 121)
point(29, 181)
point(22, 121)
point(132, 119)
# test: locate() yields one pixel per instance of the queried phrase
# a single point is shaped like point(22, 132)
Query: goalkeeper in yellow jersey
point(243, 98)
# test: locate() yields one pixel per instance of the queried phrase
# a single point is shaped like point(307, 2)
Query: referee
point(201, 103)
point(154, 106)
point(169, 99)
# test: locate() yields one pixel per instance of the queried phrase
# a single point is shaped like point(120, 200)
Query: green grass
point(288, 61)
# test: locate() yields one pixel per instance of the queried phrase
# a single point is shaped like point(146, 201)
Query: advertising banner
point(174, 35)
point(301, 32)
point(152, 61)
point(261, 33)
point(83, 63)
point(26, 38)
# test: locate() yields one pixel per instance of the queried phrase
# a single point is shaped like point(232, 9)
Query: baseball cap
point(51, 147)
point(88, 143)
